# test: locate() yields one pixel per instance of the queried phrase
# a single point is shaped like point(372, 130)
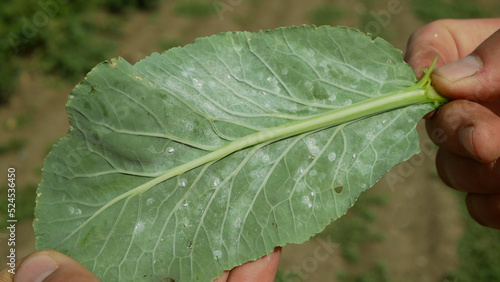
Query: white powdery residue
point(308, 85)
point(332, 156)
point(217, 254)
point(197, 83)
point(258, 175)
point(370, 135)
point(311, 145)
point(347, 102)
point(152, 149)
point(74, 212)
point(284, 71)
point(307, 201)
point(237, 222)
point(398, 134)
point(170, 150)
point(238, 48)
point(332, 97)
point(313, 173)
point(182, 182)
point(150, 201)
point(187, 124)
point(139, 227)
point(216, 181)
point(353, 156)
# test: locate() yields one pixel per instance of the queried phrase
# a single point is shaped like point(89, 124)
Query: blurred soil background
point(408, 227)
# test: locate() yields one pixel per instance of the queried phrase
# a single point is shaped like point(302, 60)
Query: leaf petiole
point(420, 93)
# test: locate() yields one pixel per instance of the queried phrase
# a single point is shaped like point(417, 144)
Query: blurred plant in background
point(66, 38)
point(431, 10)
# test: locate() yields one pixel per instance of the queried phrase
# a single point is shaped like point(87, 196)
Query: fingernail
point(465, 137)
point(460, 69)
point(35, 268)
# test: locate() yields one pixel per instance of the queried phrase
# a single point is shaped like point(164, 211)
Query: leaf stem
point(420, 93)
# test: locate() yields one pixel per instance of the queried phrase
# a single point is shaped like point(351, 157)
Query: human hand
point(467, 129)
point(50, 265)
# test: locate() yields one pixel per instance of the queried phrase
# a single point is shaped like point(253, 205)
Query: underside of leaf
point(175, 167)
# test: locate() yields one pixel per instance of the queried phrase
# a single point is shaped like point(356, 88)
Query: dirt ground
point(420, 222)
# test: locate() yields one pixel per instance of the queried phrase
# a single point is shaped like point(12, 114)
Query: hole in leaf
point(338, 189)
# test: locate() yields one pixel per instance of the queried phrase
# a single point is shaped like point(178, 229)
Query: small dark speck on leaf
point(338, 189)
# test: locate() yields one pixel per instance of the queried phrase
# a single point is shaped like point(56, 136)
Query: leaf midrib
point(416, 94)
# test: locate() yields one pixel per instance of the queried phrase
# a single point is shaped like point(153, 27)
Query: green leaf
point(202, 158)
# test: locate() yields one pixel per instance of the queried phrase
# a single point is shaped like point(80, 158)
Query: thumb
point(475, 77)
point(49, 265)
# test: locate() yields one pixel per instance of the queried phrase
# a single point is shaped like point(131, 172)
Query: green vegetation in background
point(350, 232)
point(68, 38)
point(13, 145)
point(378, 273)
point(430, 10)
point(356, 227)
point(479, 252)
point(327, 14)
point(169, 43)
point(194, 8)
point(371, 21)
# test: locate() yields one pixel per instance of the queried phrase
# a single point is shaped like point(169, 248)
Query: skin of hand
point(52, 266)
point(467, 129)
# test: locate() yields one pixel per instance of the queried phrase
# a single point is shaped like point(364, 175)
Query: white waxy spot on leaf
point(216, 181)
point(307, 201)
point(217, 254)
point(183, 182)
point(197, 83)
point(74, 212)
point(332, 156)
point(150, 201)
point(170, 150)
point(139, 227)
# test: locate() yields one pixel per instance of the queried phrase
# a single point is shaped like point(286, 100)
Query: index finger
point(448, 39)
